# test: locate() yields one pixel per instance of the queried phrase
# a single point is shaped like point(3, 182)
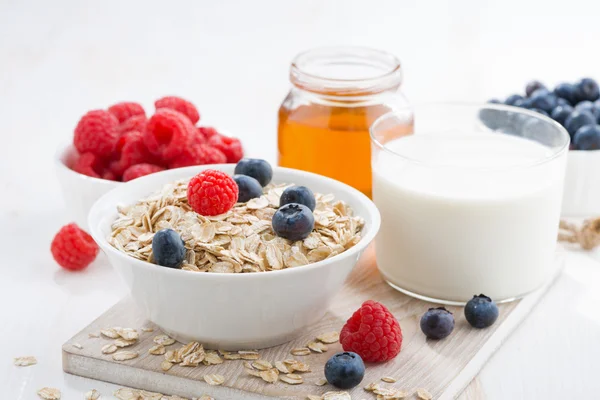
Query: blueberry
point(587, 138)
point(481, 311)
point(256, 168)
point(345, 370)
point(168, 248)
point(544, 101)
point(248, 188)
point(587, 89)
point(293, 221)
point(494, 101)
point(540, 111)
point(566, 91)
point(300, 195)
point(510, 100)
point(561, 113)
point(521, 103)
point(533, 86)
point(562, 102)
point(577, 119)
point(437, 323)
point(588, 106)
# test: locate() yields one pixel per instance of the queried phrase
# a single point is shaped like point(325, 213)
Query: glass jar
point(337, 93)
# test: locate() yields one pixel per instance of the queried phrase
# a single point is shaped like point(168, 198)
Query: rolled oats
point(388, 379)
point(109, 348)
point(120, 342)
point(166, 365)
point(262, 365)
point(49, 393)
point(212, 358)
point(313, 397)
point(127, 333)
point(301, 351)
point(297, 366)
point(25, 361)
point(292, 379)
point(282, 367)
point(164, 340)
point(271, 375)
point(214, 379)
point(77, 346)
point(157, 350)
point(423, 394)
point(317, 347)
point(127, 394)
point(337, 396)
point(92, 395)
point(321, 382)
point(93, 335)
point(329, 337)
point(125, 355)
point(147, 329)
point(109, 333)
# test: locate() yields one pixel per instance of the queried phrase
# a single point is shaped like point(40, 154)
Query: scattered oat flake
point(295, 365)
point(147, 329)
point(321, 382)
point(214, 379)
point(262, 365)
point(125, 355)
point(92, 395)
point(25, 361)
point(271, 375)
point(127, 394)
point(249, 355)
point(329, 337)
point(317, 347)
point(166, 365)
point(300, 351)
point(109, 348)
point(423, 394)
point(109, 333)
point(371, 386)
point(164, 340)
point(337, 396)
point(157, 350)
point(49, 393)
point(93, 335)
point(282, 367)
point(205, 397)
point(292, 379)
point(313, 397)
point(388, 379)
point(78, 346)
point(120, 342)
point(127, 333)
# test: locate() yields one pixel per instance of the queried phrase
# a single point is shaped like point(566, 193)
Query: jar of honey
point(336, 94)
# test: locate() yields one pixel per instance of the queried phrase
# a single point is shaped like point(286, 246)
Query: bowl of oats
point(234, 275)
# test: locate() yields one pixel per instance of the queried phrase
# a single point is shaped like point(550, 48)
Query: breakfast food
point(72, 248)
point(212, 193)
point(258, 169)
point(298, 194)
point(345, 370)
point(481, 312)
point(437, 323)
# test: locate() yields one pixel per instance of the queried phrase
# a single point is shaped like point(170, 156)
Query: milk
point(470, 214)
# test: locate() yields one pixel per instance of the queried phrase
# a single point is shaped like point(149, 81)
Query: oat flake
point(92, 395)
point(125, 355)
point(214, 379)
point(49, 393)
point(164, 340)
point(329, 337)
point(292, 379)
point(424, 394)
point(388, 379)
point(313, 397)
point(25, 361)
point(337, 396)
point(157, 350)
point(109, 348)
point(301, 351)
point(317, 347)
point(166, 365)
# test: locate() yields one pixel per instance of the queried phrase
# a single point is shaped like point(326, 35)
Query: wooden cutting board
point(443, 367)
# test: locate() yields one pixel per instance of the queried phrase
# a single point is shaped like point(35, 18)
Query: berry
point(96, 133)
point(212, 192)
point(179, 104)
point(437, 323)
point(543, 100)
point(139, 170)
point(199, 154)
point(372, 332)
point(588, 106)
point(256, 168)
point(89, 164)
point(248, 188)
point(539, 111)
point(293, 222)
point(562, 102)
point(587, 138)
point(131, 150)
point(300, 195)
point(494, 101)
point(135, 123)
point(481, 312)
point(207, 131)
point(168, 133)
point(125, 110)
point(110, 176)
point(587, 89)
point(510, 100)
point(73, 248)
point(231, 147)
point(168, 248)
point(566, 91)
point(561, 113)
point(345, 370)
point(532, 87)
point(577, 119)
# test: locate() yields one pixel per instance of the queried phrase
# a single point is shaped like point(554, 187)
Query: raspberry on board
point(138, 170)
point(199, 154)
point(212, 192)
point(372, 332)
point(135, 123)
point(179, 104)
point(89, 164)
point(73, 248)
point(97, 133)
point(168, 133)
point(231, 147)
point(125, 110)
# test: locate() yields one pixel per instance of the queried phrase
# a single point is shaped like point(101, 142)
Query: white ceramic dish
point(581, 197)
point(79, 191)
point(233, 311)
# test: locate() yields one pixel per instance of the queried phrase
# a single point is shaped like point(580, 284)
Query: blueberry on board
point(248, 188)
point(293, 221)
point(577, 119)
point(567, 92)
point(532, 87)
point(587, 89)
point(543, 100)
point(168, 248)
point(587, 138)
point(256, 168)
point(345, 370)
point(481, 312)
point(437, 323)
point(510, 100)
point(300, 195)
point(561, 113)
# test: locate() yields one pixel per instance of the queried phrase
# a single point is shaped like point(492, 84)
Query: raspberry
point(124, 111)
point(132, 150)
point(199, 154)
point(138, 170)
point(109, 175)
point(135, 123)
point(89, 164)
point(212, 192)
point(372, 332)
point(207, 131)
point(179, 104)
point(96, 132)
point(73, 248)
point(231, 147)
point(168, 133)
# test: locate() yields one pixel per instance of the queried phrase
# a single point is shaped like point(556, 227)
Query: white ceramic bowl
point(232, 311)
point(79, 191)
point(581, 197)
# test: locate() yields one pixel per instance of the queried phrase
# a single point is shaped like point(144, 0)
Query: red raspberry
point(212, 192)
point(124, 111)
point(372, 332)
point(199, 154)
point(132, 150)
point(138, 170)
point(231, 147)
point(73, 248)
point(207, 131)
point(109, 175)
point(135, 123)
point(168, 133)
point(97, 133)
point(89, 164)
point(179, 104)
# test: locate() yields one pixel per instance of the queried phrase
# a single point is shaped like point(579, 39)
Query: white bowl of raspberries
point(576, 106)
point(122, 143)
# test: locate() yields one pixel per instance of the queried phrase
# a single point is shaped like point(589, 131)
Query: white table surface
point(59, 59)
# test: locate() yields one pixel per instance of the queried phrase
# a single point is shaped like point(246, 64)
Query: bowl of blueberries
point(576, 106)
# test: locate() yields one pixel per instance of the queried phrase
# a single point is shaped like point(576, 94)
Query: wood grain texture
point(444, 367)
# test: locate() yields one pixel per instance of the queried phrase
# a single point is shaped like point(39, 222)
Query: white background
point(59, 59)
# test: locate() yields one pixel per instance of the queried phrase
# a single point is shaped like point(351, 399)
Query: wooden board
point(443, 367)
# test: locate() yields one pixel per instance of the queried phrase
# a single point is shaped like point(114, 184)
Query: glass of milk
point(469, 199)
